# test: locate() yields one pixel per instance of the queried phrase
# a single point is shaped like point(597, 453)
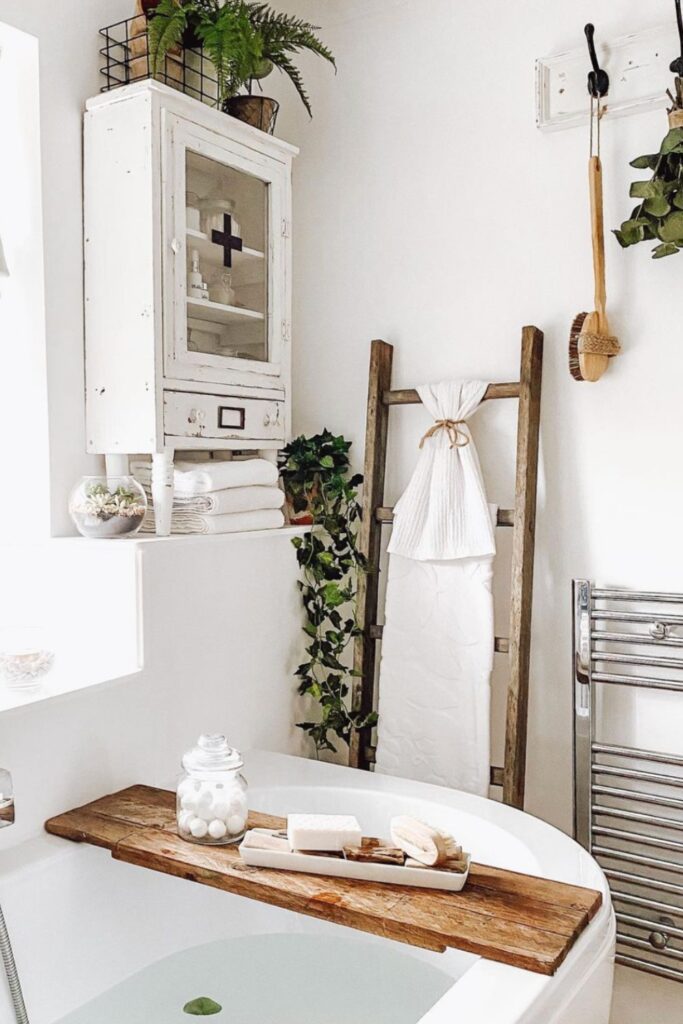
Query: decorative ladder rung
point(506, 516)
point(501, 643)
point(409, 396)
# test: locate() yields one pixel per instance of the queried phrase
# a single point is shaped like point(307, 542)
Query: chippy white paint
point(136, 241)
point(638, 69)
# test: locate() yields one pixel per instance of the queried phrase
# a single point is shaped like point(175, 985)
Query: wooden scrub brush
point(591, 344)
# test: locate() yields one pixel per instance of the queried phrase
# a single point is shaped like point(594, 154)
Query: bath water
point(276, 979)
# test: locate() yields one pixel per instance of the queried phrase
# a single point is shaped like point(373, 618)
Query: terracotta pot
point(258, 111)
point(304, 516)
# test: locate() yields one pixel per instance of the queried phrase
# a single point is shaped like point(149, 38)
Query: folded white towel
point(228, 501)
point(191, 478)
point(236, 522)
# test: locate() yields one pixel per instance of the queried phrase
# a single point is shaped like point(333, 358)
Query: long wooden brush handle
point(598, 237)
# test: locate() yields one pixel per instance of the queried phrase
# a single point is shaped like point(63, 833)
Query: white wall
point(429, 211)
point(25, 505)
point(221, 620)
point(69, 62)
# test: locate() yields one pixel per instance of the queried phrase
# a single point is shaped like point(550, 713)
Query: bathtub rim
point(557, 854)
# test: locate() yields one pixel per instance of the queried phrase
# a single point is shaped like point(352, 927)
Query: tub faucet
point(16, 995)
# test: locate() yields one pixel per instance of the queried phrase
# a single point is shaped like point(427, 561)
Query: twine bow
point(457, 437)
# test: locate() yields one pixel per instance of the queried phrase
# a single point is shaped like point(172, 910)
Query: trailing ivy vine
point(315, 472)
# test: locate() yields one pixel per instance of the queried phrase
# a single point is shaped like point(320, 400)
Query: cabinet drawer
point(219, 416)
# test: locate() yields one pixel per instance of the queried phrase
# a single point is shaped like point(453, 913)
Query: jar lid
point(212, 753)
point(216, 204)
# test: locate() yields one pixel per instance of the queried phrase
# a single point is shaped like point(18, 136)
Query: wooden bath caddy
point(500, 915)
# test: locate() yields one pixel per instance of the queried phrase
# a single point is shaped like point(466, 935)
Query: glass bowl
point(107, 506)
point(25, 657)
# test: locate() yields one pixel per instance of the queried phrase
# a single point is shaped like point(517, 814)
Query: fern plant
point(244, 40)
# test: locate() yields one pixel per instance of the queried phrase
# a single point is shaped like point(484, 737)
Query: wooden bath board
point(515, 919)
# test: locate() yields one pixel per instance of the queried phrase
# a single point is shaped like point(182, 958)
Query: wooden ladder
point(522, 519)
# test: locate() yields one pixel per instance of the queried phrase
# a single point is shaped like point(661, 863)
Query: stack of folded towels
point(218, 497)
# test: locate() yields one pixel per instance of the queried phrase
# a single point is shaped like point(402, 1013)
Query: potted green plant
point(316, 475)
point(658, 216)
point(245, 41)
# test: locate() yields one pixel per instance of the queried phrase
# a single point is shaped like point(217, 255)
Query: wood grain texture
point(528, 422)
point(502, 915)
point(506, 516)
point(369, 543)
point(409, 396)
point(522, 518)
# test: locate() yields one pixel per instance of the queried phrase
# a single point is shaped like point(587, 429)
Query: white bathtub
point(81, 922)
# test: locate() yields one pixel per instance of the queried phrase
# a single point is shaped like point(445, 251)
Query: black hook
point(598, 80)
point(677, 65)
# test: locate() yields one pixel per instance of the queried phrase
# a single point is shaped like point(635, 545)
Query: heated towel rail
point(628, 801)
point(522, 519)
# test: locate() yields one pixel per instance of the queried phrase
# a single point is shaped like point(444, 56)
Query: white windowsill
point(100, 641)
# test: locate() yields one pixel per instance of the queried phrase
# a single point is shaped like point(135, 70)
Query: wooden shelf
point(501, 915)
point(213, 254)
point(216, 313)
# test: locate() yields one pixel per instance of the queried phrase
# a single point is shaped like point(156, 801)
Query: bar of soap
point(256, 840)
point(324, 832)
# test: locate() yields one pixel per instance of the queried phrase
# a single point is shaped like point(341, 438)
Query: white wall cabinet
point(187, 282)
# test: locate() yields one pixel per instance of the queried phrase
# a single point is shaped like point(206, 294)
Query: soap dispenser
point(195, 283)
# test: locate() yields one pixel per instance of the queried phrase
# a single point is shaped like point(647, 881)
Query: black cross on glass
point(227, 240)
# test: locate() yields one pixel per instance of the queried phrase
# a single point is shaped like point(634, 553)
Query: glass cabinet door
point(226, 259)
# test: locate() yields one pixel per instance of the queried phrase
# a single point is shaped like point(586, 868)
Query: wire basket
point(127, 60)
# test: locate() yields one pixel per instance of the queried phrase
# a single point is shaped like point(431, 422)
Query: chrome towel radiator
point(628, 801)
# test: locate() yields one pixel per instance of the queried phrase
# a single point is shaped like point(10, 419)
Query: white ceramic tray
point(337, 867)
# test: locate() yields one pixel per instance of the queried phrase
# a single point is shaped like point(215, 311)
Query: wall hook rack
point(598, 79)
point(677, 65)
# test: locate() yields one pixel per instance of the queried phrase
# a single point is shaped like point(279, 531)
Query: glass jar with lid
point(212, 211)
point(212, 794)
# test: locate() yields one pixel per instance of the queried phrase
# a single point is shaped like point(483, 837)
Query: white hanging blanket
point(437, 644)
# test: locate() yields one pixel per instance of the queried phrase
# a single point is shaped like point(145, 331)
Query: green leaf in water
point(202, 1007)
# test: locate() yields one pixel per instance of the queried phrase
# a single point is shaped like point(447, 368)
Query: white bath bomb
point(238, 804)
point(184, 819)
point(220, 808)
point(236, 823)
point(217, 829)
point(187, 787)
point(198, 828)
point(188, 802)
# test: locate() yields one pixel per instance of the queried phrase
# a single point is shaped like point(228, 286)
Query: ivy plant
point(316, 475)
point(659, 214)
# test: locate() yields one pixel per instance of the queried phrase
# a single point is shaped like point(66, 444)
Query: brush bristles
point(574, 364)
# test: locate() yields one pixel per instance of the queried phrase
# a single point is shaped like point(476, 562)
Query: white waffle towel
point(437, 644)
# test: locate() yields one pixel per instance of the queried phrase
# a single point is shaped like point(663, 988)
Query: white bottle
point(195, 284)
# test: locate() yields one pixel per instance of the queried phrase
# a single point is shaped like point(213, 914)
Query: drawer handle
point(230, 417)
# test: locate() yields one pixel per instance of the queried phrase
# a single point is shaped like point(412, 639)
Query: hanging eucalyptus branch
point(658, 217)
point(315, 472)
